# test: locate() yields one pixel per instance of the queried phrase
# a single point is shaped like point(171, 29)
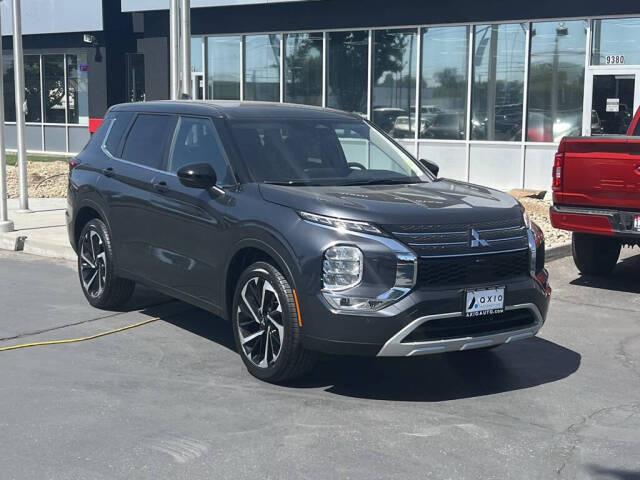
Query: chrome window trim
point(218, 187)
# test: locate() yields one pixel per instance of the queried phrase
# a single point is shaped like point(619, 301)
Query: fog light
point(342, 267)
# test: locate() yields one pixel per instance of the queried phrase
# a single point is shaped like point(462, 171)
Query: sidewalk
point(42, 232)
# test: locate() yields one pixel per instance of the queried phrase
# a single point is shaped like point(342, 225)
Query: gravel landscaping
point(49, 180)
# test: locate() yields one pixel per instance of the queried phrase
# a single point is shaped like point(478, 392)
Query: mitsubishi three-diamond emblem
point(476, 241)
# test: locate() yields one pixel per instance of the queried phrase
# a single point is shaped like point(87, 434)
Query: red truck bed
point(596, 185)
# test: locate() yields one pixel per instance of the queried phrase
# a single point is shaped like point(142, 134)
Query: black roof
point(234, 109)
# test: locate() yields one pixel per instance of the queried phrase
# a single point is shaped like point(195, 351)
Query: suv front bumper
point(385, 334)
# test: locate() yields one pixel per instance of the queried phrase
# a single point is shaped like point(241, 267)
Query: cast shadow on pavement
point(436, 378)
point(623, 279)
point(431, 378)
point(613, 473)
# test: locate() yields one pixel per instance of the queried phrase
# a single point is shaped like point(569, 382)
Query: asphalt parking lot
point(171, 399)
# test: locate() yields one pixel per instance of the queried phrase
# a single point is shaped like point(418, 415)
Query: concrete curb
point(557, 252)
point(21, 243)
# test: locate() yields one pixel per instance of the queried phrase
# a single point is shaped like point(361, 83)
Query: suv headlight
point(341, 224)
point(341, 267)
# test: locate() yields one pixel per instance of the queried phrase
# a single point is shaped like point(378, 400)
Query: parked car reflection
point(446, 126)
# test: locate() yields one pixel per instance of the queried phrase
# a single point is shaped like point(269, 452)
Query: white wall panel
point(537, 166)
point(450, 157)
point(54, 16)
point(496, 166)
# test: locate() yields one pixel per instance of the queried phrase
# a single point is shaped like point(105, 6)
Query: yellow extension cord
point(79, 339)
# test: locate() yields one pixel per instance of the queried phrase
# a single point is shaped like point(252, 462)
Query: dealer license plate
point(484, 301)
point(636, 223)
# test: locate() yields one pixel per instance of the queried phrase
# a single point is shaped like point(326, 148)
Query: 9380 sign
point(614, 59)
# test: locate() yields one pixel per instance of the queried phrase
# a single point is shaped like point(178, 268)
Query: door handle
point(161, 187)
point(108, 172)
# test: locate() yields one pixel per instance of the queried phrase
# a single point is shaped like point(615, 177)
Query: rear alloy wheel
point(595, 255)
point(265, 326)
point(100, 285)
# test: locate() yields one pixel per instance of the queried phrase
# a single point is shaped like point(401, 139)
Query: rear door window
point(148, 140)
point(197, 141)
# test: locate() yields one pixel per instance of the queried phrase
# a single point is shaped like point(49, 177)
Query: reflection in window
point(347, 65)
point(556, 80)
point(262, 68)
point(498, 82)
point(54, 88)
point(223, 64)
point(616, 41)
point(9, 91)
point(303, 68)
point(32, 88)
point(196, 54)
point(78, 89)
point(394, 81)
point(445, 56)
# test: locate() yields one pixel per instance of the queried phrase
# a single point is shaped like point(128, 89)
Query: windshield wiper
point(292, 183)
point(382, 181)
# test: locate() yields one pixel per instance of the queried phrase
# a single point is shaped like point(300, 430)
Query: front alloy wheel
point(260, 325)
point(266, 326)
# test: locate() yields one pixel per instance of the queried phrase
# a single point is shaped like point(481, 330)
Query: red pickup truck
point(596, 195)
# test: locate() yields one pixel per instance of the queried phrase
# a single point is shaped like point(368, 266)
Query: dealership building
point(485, 89)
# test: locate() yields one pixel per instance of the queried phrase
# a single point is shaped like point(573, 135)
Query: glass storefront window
point(9, 91)
point(77, 89)
point(498, 82)
point(223, 65)
point(303, 68)
point(347, 71)
point(196, 54)
point(32, 88)
point(445, 54)
point(54, 88)
point(616, 41)
point(556, 80)
point(262, 68)
point(394, 81)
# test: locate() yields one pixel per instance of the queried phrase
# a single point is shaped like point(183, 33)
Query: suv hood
point(442, 202)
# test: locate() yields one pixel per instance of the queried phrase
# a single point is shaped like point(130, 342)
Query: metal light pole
point(6, 225)
point(174, 48)
point(185, 45)
point(18, 68)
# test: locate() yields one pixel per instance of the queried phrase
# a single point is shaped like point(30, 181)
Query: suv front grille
point(472, 269)
point(456, 238)
point(462, 327)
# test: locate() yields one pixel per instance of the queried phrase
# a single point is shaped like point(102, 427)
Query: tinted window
point(321, 152)
point(120, 124)
point(148, 139)
point(197, 142)
point(636, 132)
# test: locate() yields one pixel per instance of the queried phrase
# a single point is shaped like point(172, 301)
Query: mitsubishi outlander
point(308, 229)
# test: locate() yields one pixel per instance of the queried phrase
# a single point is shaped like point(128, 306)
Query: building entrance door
point(611, 99)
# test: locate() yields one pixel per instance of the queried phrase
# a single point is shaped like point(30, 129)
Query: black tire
point(595, 254)
point(106, 290)
point(259, 354)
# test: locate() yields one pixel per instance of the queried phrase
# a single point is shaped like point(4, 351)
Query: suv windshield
point(321, 152)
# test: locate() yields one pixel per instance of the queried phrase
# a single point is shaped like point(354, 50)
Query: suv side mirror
point(197, 175)
point(431, 166)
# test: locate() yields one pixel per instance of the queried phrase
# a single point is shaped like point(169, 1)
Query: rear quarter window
point(119, 124)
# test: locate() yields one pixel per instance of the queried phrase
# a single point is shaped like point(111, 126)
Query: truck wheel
point(265, 326)
point(595, 254)
point(100, 285)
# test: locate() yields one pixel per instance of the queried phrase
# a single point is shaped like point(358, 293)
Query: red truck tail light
point(558, 164)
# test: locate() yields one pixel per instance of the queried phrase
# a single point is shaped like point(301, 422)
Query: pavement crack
point(81, 322)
